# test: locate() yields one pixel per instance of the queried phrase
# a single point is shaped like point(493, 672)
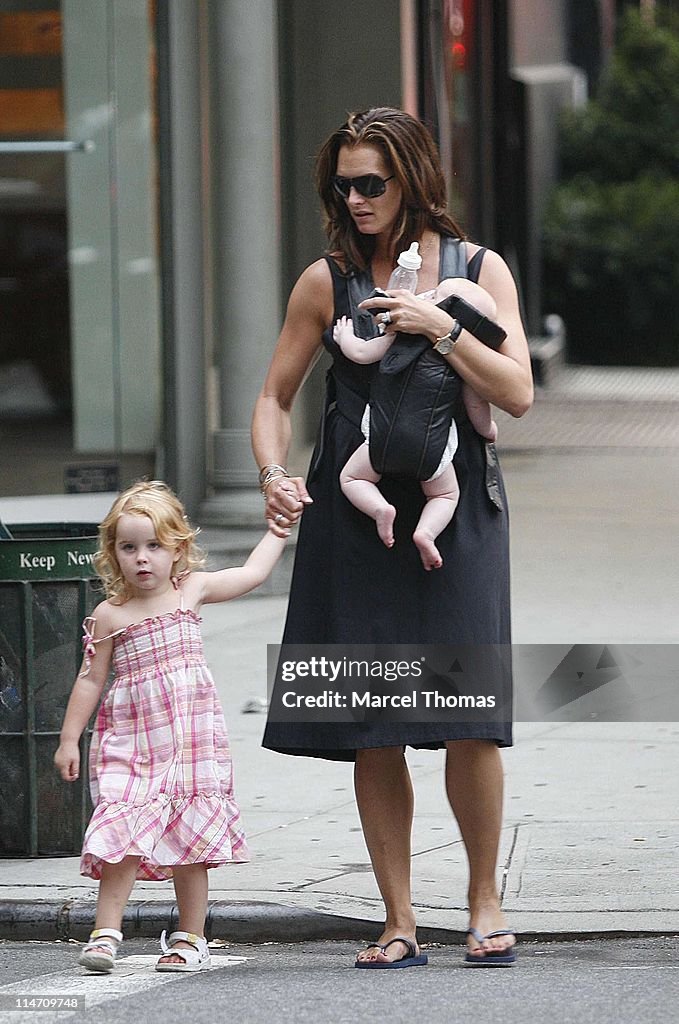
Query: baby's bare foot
point(429, 553)
point(384, 520)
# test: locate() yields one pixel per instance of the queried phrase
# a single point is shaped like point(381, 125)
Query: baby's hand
point(343, 331)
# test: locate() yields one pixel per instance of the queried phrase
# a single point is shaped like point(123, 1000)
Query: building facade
point(156, 204)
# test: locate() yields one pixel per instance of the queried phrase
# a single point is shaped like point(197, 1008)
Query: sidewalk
point(590, 844)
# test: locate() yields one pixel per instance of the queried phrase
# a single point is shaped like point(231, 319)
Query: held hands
point(285, 499)
point(67, 760)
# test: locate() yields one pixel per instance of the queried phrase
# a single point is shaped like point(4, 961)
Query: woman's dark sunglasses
point(370, 186)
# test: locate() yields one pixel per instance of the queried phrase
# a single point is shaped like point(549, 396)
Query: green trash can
point(47, 587)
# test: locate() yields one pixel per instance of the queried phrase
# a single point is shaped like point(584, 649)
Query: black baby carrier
point(415, 392)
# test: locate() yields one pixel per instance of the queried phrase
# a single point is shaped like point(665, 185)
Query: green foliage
point(614, 269)
point(633, 125)
point(611, 230)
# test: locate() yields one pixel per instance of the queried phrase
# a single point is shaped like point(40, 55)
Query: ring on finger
point(385, 318)
point(278, 518)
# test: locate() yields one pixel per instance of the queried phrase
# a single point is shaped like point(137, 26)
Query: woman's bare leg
point(474, 783)
point(384, 795)
point(358, 481)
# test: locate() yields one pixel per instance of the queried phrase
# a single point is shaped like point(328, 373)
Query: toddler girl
point(359, 479)
point(160, 766)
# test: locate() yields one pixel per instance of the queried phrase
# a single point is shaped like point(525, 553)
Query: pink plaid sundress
point(161, 776)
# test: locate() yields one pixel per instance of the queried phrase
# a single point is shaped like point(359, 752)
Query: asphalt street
point(611, 982)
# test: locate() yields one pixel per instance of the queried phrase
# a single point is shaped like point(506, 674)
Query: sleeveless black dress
point(348, 588)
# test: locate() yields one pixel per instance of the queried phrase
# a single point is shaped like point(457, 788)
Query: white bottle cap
point(411, 260)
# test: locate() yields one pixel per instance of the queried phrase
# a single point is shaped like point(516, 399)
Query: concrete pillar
point(245, 241)
point(183, 250)
point(113, 272)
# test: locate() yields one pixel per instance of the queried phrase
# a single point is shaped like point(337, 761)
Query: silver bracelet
point(275, 473)
point(265, 470)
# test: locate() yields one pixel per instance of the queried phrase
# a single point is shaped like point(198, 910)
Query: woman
point(381, 186)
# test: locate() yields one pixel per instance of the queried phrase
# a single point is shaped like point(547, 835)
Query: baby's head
point(157, 502)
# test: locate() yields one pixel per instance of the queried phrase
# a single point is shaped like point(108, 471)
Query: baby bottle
point(404, 274)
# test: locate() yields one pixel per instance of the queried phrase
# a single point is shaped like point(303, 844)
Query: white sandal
point(194, 959)
point(93, 955)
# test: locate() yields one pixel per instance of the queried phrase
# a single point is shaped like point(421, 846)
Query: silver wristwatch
point(446, 344)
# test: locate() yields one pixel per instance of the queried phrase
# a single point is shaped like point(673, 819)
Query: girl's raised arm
point(228, 583)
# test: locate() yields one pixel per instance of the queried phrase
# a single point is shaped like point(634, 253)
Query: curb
point(239, 922)
point(247, 922)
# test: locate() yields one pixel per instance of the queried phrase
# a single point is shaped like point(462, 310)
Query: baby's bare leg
point(358, 481)
point(478, 411)
point(442, 496)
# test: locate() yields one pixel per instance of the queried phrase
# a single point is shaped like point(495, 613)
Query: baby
point(358, 478)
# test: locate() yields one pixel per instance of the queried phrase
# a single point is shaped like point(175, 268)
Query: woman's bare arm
point(309, 312)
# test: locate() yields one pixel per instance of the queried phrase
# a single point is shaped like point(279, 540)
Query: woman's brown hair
point(410, 153)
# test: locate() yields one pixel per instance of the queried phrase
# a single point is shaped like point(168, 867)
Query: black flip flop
point(491, 958)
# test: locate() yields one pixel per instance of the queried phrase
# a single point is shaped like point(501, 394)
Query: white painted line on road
point(640, 967)
point(132, 975)
point(142, 964)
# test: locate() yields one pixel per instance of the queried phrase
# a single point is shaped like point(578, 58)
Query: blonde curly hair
point(154, 499)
